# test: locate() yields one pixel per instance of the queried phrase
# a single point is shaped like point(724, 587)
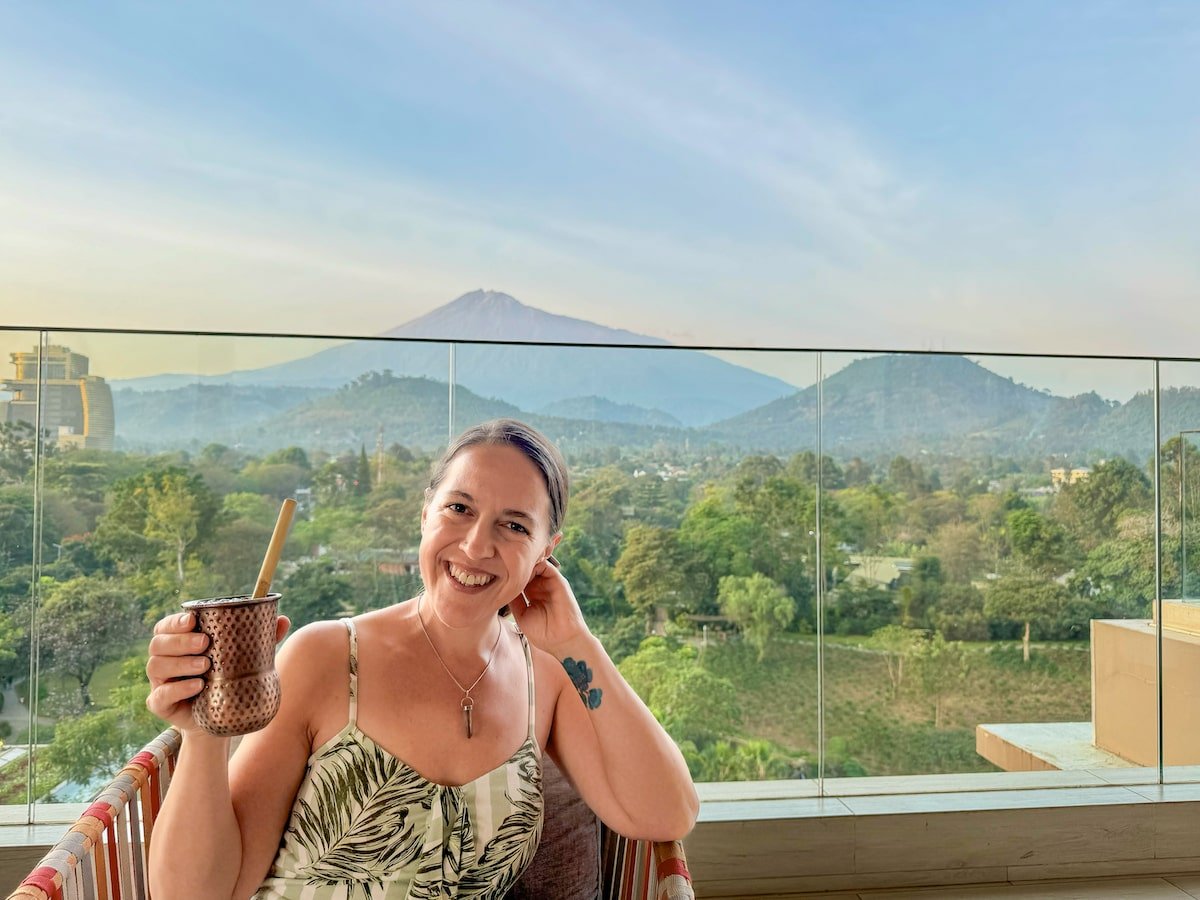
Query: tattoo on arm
point(581, 677)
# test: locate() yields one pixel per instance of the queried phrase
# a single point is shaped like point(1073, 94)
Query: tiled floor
point(1174, 887)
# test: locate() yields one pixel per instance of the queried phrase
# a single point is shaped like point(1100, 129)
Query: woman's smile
point(468, 578)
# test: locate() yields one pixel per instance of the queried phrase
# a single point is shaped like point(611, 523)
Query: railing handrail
point(108, 844)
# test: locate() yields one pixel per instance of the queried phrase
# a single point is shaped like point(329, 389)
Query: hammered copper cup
point(241, 691)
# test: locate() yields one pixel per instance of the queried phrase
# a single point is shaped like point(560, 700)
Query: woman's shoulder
point(317, 646)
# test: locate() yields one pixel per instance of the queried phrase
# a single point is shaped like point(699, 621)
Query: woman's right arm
point(221, 821)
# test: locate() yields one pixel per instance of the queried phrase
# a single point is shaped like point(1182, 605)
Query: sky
point(985, 177)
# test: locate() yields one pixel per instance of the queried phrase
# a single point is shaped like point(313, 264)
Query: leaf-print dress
point(366, 826)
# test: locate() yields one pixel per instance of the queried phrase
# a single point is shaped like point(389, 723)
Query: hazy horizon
point(124, 357)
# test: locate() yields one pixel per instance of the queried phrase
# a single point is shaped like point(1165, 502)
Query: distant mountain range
point(693, 387)
point(652, 395)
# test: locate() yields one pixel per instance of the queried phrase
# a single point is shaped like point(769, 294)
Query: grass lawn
point(104, 679)
point(895, 735)
point(13, 787)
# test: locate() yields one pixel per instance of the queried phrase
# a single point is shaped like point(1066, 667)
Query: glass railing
point(859, 567)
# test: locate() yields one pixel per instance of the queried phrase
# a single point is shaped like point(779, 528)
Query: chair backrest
point(103, 855)
point(643, 870)
point(578, 857)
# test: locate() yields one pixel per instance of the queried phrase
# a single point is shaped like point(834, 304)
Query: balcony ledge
point(778, 838)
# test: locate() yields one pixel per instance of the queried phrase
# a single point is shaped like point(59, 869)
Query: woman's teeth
point(466, 579)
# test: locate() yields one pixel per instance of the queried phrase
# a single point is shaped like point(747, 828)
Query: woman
point(389, 771)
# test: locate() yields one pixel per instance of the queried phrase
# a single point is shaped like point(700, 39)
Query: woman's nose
point(477, 542)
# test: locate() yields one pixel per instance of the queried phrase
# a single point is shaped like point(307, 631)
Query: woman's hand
point(177, 665)
point(553, 618)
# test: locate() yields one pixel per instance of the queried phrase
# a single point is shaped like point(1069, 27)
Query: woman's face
point(482, 532)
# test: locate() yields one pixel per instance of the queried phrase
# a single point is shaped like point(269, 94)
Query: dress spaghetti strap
point(353, 718)
point(532, 694)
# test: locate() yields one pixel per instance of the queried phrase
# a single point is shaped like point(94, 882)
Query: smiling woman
point(407, 756)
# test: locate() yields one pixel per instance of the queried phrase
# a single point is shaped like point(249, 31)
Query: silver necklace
point(468, 703)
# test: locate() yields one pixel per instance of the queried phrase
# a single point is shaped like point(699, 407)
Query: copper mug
point(241, 690)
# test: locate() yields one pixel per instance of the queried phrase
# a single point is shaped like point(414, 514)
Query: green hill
point(896, 736)
point(901, 402)
point(879, 406)
point(199, 414)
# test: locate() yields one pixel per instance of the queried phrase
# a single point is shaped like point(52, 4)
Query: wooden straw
point(275, 548)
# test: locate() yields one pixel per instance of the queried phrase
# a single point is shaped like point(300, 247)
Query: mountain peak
point(487, 315)
point(480, 300)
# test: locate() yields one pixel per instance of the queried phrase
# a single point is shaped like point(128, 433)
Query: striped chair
point(103, 855)
point(640, 870)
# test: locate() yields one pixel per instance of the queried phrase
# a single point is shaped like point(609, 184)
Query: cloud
point(825, 176)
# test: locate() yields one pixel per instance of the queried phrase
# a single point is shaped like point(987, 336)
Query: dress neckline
point(351, 729)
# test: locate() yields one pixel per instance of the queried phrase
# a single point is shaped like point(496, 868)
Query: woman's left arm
point(622, 762)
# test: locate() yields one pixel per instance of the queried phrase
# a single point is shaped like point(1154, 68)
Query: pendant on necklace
point(467, 705)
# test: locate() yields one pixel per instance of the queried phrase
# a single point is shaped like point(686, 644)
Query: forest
point(953, 591)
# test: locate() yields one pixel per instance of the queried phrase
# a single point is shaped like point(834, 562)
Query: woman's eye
point(457, 507)
point(518, 527)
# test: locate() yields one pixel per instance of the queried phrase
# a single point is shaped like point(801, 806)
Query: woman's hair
point(537, 448)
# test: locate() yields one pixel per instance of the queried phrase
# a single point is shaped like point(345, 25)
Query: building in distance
point(1063, 476)
point(76, 406)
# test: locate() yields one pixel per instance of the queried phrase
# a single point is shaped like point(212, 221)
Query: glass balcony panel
point(167, 461)
point(694, 510)
point(20, 512)
point(1179, 513)
point(974, 553)
point(690, 536)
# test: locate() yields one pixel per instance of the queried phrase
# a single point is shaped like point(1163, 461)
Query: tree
point(85, 622)
point(1039, 544)
point(757, 605)
point(752, 473)
point(598, 508)
point(656, 570)
point(723, 540)
point(292, 456)
point(16, 526)
point(173, 516)
point(275, 479)
point(909, 478)
point(1117, 578)
point(691, 703)
point(858, 473)
point(803, 467)
point(314, 592)
point(870, 514)
point(1091, 508)
point(921, 591)
point(737, 760)
point(99, 742)
point(1027, 600)
point(784, 512)
point(959, 546)
point(958, 614)
point(939, 666)
point(362, 473)
point(396, 520)
point(860, 607)
point(156, 518)
point(236, 552)
point(17, 443)
point(896, 643)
